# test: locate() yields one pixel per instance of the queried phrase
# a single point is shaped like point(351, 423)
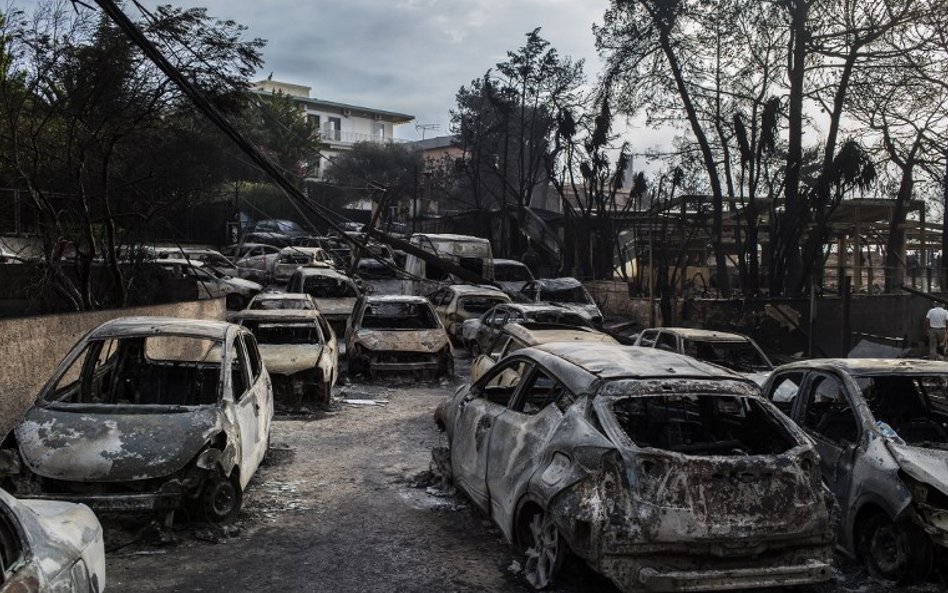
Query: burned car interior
point(284, 332)
point(142, 370)
point(396, 315)
point(742, 357)
point(700, 425)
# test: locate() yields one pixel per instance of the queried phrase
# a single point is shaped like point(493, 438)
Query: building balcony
point(332, 136)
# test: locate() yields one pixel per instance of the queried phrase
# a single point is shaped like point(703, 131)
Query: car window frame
point(803, 403)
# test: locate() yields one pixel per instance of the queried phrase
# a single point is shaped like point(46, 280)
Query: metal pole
point(847, 307)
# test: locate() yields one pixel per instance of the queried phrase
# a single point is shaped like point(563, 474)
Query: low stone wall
point(31, 347)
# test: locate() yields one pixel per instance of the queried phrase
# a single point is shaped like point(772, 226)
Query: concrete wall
point(613, 299)
point(31, 347)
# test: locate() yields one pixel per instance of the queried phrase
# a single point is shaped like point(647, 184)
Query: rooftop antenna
point(426, 127)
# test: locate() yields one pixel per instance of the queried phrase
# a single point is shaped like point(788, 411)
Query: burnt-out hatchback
point(148, 414)
point(388, 334)
point(881, 429)
point(659, 471)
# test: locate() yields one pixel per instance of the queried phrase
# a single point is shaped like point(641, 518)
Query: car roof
point(870, 366)
point(533, 307)
point(194, 263)
point(282, 296)
point(472, 289)
point(609, 361)
point(542, 333)
point(122, 326)
point(395, 298)
point(301, 249)
point(557, 283)
point(509, 262)
point(702, 334)
point(322, 271)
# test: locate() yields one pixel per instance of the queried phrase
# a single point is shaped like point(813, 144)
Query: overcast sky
point(409, 56)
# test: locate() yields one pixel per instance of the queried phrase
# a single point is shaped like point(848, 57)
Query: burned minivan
point(881, 429)
point(660, 472)
point(397, 334)
point(148, 414)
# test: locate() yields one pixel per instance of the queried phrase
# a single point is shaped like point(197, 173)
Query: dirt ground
point(340, 506)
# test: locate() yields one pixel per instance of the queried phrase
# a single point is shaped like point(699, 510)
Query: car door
point(247, 410)
point(331, 345)
point(827, 413)
point(783, 389)
point(518, 439)
point(487, 399)
point(483, 362)
point(495, 327)
point(668, 342)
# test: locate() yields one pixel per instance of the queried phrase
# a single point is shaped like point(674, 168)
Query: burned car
point(275, 301)
point(457, 303)
point(661, 472)
point(733, 351)
point(148, 414)
point(49, 546)
point(291, 259)
point(299, 350)
point(881, 428)
point(529, 333)
point(397, 333)
point(566, 291)
point(478, 334)
point(335, 293)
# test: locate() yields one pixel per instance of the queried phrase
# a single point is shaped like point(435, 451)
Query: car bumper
point(653, 579)
point(156, 501)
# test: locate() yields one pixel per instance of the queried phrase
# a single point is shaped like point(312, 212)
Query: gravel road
point(342, 505)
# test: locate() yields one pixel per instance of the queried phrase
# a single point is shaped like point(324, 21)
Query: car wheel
point(896, 551)
point(544, 551)
point(221, 499)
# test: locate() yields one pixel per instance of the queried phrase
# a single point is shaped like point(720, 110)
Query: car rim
point(888, 550)
point(222, 498)
point(543, 553)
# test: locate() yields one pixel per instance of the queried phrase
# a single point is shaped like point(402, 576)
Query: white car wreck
point(299, 350)
point(148, 414)
point(49, 546)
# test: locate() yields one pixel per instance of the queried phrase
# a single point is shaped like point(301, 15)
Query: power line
point(204, 104)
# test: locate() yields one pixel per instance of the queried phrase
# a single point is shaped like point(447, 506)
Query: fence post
point(847, 306)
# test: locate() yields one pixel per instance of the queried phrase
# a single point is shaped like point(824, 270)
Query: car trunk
point(712, 469)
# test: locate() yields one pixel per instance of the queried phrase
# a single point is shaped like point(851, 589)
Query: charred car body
point(736, 352)
point(335, 293)
point(50, 546)
point(478, 334)
point(566, 291)
point(457, 303)
point(397, 333)
point(299, 350)
point(661, 472)
point(148, 414)
point(881, 428)
point(525, 334)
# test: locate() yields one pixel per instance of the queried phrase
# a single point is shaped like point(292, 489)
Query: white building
point(340, 125)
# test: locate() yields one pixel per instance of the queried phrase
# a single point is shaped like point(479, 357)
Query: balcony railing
point(340, 137)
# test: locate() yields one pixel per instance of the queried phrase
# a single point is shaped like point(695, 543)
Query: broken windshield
point(284, 333)
point(281, 305)
point(142, 370)
point(575, 295)
point(701, 424)
point(391, 316)
point(327, 287)
point(478, 304)
point(915, 407)
point(741, 357)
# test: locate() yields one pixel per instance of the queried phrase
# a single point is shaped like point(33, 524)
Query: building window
point(333, 129)
point(378, 131)
point(313, 120)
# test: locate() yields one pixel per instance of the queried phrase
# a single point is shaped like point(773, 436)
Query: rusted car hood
point(341, 306)
point(289, 359)
point(428, 340)
point(86, 446)
point(925, 465)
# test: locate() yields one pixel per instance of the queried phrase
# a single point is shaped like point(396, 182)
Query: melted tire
point(221, 499)
point(895, 551)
